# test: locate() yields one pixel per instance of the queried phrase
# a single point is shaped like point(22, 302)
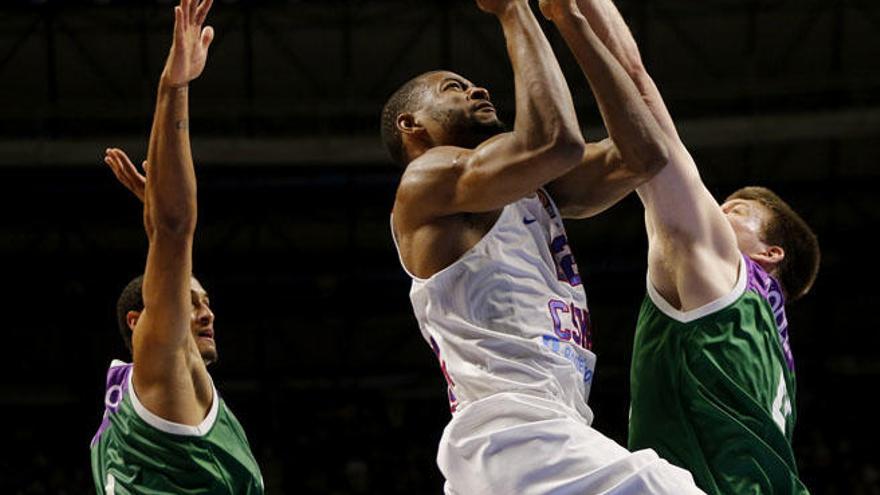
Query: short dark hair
point(405, 100)
point(798, 269)
point(131, 299)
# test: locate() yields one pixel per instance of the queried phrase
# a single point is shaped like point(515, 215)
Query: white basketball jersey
point(511, 314)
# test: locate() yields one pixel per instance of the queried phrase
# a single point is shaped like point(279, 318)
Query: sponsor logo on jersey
point(580, 329)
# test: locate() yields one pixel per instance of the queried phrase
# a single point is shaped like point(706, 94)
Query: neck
point(416, 150)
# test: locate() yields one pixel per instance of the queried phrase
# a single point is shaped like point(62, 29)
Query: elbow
point(647, 160)
point(177, 222)
point(566, 146)
point(655, 157)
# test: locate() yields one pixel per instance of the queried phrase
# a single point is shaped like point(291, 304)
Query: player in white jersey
point(496, 289)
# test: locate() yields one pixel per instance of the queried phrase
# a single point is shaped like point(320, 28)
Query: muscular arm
point(545, 142)
point(164, 359)
point(693, 255)
point(637, 147)
point(160, 340)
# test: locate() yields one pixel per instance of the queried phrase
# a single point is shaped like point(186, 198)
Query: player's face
point(463, 111)
point(748, 218)
point(202, 322)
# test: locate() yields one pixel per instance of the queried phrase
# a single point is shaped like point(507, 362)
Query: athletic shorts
point(518, 444)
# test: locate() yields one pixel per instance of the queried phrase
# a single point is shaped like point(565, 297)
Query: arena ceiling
point(302, 82)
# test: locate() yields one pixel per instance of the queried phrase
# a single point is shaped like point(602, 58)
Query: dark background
point(321, 358)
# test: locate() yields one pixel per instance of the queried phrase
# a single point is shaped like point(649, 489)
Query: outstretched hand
point(189, 50)
point(125, 171)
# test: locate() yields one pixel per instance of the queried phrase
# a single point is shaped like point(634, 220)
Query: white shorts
point(522, 445)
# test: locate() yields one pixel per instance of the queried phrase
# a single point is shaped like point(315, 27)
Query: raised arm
point(610, 27)
point(544, 144)
point(165, 367)
point(637, 147)
point(693, 255)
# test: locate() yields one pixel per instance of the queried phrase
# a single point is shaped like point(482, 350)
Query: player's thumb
point(207, 36)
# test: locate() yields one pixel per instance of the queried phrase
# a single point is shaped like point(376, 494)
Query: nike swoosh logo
point(527, 220)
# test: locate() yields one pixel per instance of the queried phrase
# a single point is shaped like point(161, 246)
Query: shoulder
point(435, 164)
point(428, 184)
point(443, 163)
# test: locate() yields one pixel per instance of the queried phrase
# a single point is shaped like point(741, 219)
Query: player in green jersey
point(165, 428)
point(712, 374)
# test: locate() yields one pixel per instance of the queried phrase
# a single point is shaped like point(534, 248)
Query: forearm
point(544, 109)
point(170, 217)
point(608, 24)
point(610, 27)
point(170, 196)
point(631, 125)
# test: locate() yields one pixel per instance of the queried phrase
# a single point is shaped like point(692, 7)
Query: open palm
point(189, 51)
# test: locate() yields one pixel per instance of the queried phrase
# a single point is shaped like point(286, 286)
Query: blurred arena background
point(321, 358)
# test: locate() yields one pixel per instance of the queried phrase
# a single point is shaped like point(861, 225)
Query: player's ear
point(408, 124)
point(131, 318)
point(770, 258)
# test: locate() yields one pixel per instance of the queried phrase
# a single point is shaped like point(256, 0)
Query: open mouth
point(206, 334)
point(485, 106)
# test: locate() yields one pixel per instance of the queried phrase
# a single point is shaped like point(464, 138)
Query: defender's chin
point(208, 351)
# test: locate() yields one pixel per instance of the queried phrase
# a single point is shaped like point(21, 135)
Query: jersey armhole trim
point(549, 196)
point(706, 309)
point(171, 427)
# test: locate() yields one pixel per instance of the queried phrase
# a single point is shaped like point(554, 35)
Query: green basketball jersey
point(713, 389)
point(137, 452)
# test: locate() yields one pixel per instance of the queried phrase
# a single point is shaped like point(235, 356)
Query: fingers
point(202, 11)
point(112, 160)
point(124, 170)
point(185, 11)
point(192, 13)
point(193, 9)
point(178, 22)
point(122, 157)
point(130, 170)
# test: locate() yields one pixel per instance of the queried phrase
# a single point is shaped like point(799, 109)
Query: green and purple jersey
point(713, 388)
point(137, 452)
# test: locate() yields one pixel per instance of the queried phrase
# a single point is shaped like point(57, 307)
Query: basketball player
point(712, 374)
point(496, 289)
point(165, 429)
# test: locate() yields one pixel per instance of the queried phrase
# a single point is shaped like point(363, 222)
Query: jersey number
point(110, 487)
point(781, 407)
point(566, 268)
